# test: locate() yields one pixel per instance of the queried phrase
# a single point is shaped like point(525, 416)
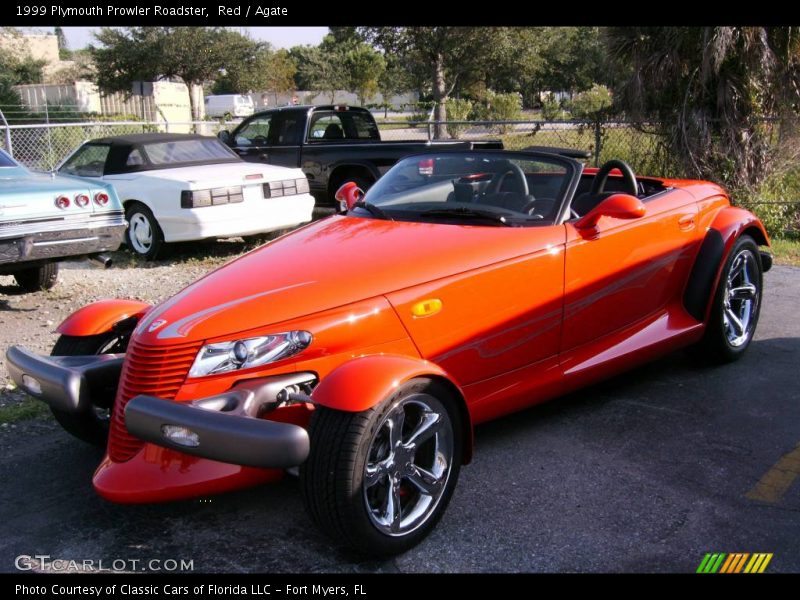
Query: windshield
point(187, 151)
point(479, 188)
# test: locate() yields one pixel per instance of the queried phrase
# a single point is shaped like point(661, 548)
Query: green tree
point(63, 47)
point(192, 55)
point(710, 88)
point(438, 57)
point(364, 67)
point(263, 70)
point(395, 79)
point(321, 70)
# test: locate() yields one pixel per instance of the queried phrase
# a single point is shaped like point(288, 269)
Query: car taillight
point(82, 200)
point(426, 166)
point(212, 197)
point(62, 202)
point(101, 198)
point(287, 187)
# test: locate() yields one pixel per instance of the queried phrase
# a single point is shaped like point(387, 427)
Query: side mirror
point(225, 137)
point(348, 195)
point(618, 206)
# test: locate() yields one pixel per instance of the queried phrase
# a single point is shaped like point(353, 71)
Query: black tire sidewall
point(717, 340)
point(158, 235)
point(36, 279)
point(359, 530)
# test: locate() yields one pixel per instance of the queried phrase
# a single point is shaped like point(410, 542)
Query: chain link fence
point(42, 146)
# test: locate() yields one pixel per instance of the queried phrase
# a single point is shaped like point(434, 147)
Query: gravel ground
point(31, 319)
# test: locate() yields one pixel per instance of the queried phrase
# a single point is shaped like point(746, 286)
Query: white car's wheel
point(144, 236)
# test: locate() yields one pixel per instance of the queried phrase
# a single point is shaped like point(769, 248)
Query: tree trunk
point(440, 97)
point(192, 107)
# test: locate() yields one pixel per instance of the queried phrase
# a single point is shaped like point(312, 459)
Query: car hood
point(330, 263)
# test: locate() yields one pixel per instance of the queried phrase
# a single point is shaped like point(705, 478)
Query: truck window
point(325, 126)
point(288, 129)
point(365, 126)
point(255, 132)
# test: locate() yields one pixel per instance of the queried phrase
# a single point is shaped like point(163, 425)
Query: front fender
point(727, 226)
point(364, 382)
point(100, 317)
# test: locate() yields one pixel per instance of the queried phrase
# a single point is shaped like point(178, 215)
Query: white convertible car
point(179, 187)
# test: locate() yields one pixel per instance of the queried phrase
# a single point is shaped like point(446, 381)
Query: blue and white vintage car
point(45, 218)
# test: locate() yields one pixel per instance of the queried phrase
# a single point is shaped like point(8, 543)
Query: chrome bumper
point(89, 238)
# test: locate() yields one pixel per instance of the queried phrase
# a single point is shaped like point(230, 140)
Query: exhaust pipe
point(104, 259)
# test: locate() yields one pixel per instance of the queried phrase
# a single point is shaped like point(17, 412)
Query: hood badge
point(157, 324)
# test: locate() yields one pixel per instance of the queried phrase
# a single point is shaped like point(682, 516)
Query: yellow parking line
point(777, 481)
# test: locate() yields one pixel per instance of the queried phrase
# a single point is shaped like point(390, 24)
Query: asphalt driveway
point(647, 472)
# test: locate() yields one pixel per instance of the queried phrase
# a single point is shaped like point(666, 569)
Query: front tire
point(90, 427)
point(381, 479)
point(737, 304)
point(143, 236)
point(36, 279)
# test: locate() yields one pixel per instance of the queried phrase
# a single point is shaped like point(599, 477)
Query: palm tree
point(711, 89)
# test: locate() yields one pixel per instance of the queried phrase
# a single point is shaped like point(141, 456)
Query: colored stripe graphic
point(720, 562)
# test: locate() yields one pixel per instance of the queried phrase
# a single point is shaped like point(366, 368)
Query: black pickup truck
point(333, 144)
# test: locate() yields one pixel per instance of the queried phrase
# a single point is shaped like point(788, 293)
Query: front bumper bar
point(227, 427)
point(70, 384)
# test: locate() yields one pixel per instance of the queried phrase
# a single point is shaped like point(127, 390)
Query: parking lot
point(646, 472)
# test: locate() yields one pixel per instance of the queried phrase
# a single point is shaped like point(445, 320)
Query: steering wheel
point(628, 177)
point(519, 177)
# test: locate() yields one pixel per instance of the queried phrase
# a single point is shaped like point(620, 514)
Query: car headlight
point(252, 352)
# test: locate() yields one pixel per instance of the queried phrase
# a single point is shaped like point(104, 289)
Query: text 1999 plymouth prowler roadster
point(364, 348)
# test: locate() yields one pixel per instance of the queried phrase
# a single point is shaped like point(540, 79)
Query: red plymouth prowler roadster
point(359, 351)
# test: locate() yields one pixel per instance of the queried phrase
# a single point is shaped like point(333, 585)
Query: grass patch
point(786, 251)
point(25, 410)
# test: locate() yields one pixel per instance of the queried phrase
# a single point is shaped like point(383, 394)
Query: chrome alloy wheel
point(741, 298)
point(408, 464)
point(141, 234)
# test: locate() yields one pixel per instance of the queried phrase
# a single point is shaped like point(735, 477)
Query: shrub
point(551, 110)
point(591, 104)
point(458, 109)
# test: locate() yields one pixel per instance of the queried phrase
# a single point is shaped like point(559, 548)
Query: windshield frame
point(573, 170)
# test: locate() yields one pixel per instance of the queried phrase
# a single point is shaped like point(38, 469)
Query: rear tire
point(91, 427)
point(36, 279)
point(143, 236)
point(380, 491)
point(736, 305)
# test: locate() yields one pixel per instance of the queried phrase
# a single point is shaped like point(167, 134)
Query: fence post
point(597, 143)
point(9, 147)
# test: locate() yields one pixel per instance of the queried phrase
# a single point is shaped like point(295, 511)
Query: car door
point(251, 140)
point(627, 272)
point(286, 132)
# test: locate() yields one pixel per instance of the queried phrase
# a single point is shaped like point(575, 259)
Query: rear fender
point(365, 382)
point(728, 225)
point(100, 317)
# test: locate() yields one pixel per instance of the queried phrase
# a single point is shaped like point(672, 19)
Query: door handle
point(686, 223)
point(263, 156)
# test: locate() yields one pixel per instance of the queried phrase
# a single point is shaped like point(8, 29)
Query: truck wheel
point(737, 304)
point(91, 427)
point(38, 278)
point(143, 236)
point(380, 479)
